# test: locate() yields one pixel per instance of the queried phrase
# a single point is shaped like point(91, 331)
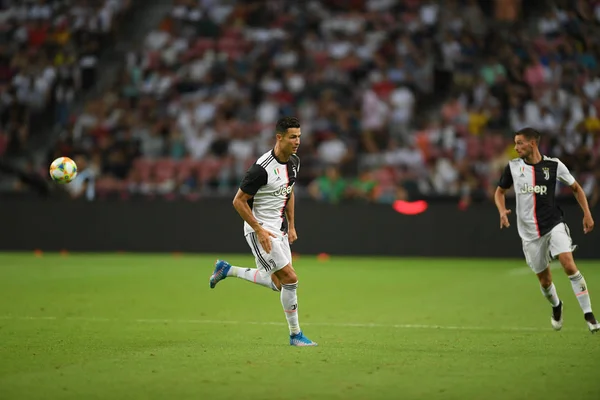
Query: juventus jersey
point(270, 181)
point(535, 188)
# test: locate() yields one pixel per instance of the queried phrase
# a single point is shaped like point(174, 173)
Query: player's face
point(290, 142)
point(523, 146)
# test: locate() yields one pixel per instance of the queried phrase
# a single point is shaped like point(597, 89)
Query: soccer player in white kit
point(265, 200)
point(540, 223)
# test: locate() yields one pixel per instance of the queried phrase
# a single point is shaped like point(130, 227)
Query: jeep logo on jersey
point(283, 190)
point(539, 189)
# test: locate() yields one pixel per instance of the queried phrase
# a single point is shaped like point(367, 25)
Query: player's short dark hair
point(529, 133)
point(283, 124)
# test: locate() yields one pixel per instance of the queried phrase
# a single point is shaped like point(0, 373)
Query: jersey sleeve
point(255, 177)
point(296, 162)
point(506, 180)
point(563, 174)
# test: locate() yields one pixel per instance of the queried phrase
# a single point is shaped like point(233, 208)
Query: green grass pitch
point(130, 326)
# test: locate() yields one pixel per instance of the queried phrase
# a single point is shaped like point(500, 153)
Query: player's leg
point(257, 275)
point(561, 246)
point(549, 292)
point(536, 256)
point(580, 289)
point(254, 275)
point(289, 284)
point(289, 300)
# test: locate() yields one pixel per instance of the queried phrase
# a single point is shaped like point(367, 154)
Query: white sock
point(253, 275)
point(581, 291)
point(289, 301)
point(550, 294)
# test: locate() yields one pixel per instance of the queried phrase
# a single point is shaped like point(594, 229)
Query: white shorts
point(279, 257)
point(539, 252)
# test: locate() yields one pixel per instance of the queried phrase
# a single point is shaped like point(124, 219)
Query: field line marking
point(326, 324)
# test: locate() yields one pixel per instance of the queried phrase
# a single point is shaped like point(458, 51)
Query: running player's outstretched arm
point(504, 184)
point(289, 214)
point(565, 177)
point(588, 221)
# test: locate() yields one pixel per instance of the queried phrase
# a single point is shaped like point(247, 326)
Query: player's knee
point(290, 278)
point(287, 276)
point(545, 281)
point(545, 278)
point(566, 260)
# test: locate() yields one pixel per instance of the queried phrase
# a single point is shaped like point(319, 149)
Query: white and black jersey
point(270, 181)
point(535, 188)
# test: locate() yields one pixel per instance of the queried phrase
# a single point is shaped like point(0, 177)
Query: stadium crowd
point(48, 54)
point(197, 103)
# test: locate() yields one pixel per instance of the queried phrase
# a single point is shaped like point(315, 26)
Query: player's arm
point(588, 221)
point(290, 207)
point(289, 214)
point(563, 175)
point(504, 184)
point(240, 203)
point(253, 180)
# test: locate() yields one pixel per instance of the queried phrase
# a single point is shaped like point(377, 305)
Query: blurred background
point(398, 99)
point(164, 104)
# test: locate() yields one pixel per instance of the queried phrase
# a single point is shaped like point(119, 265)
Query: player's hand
point(504, 219)
point(588, 223)
point(292, 235)
point(264, 238)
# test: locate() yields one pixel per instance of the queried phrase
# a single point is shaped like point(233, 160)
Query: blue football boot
point(220, 272)
point(300, 340)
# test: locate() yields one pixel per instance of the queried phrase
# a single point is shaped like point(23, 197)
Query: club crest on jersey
point(546, 173)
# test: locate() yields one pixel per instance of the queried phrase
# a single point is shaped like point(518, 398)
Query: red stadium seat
point(204, 44)
point(143, 167)
point(164, 169)
point(186, 169)
point(209, 169)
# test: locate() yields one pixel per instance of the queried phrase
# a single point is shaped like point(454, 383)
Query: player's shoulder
point(266, 159)
point(551, 159)
point(515, 161)
point(295, 159)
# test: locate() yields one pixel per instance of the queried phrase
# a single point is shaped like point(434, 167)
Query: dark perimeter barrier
point(213, 226)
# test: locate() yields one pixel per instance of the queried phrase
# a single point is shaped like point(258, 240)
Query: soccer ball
point(63, 170)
